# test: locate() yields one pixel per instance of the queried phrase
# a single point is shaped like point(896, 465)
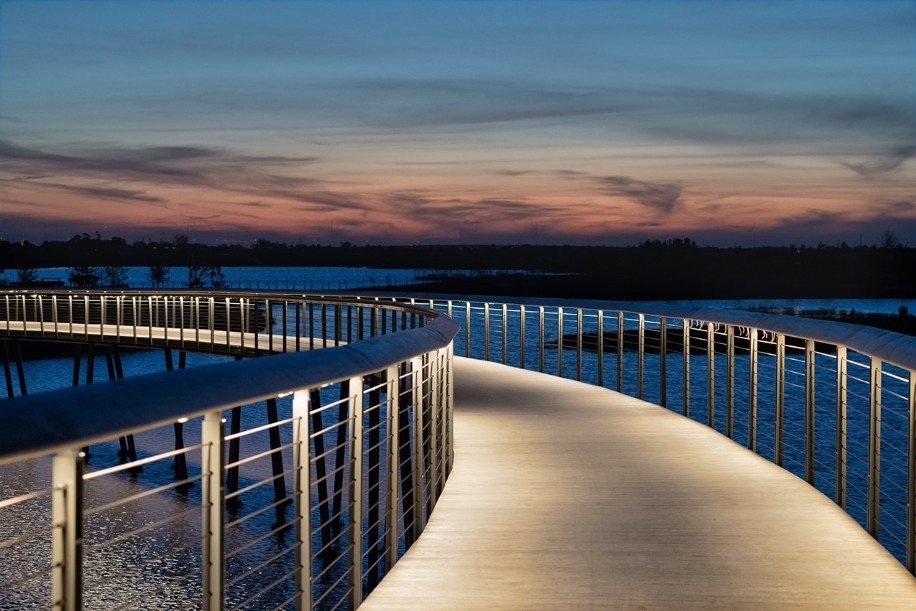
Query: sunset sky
point(599, 122)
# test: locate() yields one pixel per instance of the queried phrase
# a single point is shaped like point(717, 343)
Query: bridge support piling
point(7, 372)
point(320, 467)
point(20, 371)
point(180, 465)
point(276, 462)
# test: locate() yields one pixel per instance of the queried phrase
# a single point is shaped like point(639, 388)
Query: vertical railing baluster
point(338, 324)
point(579, 344)
point(416, 391)
point(392, 496)
point(285, 325)
point(213, 504)
point(911, 476)
point(841, 406)
point(874, 448)
point(302, 499)
point(467, 329)
point(324, 325)
point(711, 374)
point(486, 331)
point(779, 408)
point(312, 325)
point(663, 362)
point(620, 351)
point(355, 537)
point(504, 329)
point(752, 391)
point(640, 354)
point(102, 321)
point(560, 342)
point(39, 303)
point(541, 339)
point(685, 370)
point(67, 531)
point(298, 305)
point(809, 411)
point(730, 381)
point(442, 360)
point(599, 348)
point(521, 337)
point(434, 422)
point(181, 325)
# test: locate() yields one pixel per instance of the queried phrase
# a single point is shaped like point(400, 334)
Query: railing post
point(559, 342)
point(578, 344)
point(600, 347)
point(505, 315)
point(541, 339)
point(685, 381)
point(663, 362)
point(302, 499)
point(450, 405)
point(911, 477)
point(640, 354)
point(467, 329)
point(730, 381)
point(486, 331)
point(711, 374)
point(779, 408)
point(213, 502)
point(434, 424)
point(874, 447)
point(521, 337)
point(752, 391)
point(392, 496)
point(620, 351)
point(416, 394)
point(840, 455)
point(67, 538)
point(355, 537)
point(809, 411)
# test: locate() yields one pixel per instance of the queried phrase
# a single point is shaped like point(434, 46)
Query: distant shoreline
point(653, 288)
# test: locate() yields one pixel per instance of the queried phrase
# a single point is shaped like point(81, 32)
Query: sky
point(535, 122)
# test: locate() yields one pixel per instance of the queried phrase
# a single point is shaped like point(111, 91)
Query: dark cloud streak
point(663, 197)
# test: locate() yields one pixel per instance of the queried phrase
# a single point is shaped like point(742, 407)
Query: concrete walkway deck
point(569, 496)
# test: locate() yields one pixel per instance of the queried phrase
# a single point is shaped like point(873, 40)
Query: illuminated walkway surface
point(569, 496)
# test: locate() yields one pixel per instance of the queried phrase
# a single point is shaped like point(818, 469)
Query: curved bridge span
point(558, 493)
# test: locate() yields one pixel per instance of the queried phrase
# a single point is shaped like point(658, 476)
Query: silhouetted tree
point(217, 279)
point(199, 275)
point(196, 275)
point(114, 275)
point(83, 276)
point(26, 275)
point(888, 239)
point(158, 275)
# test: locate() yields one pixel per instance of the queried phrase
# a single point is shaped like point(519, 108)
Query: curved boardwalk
point(569, 496)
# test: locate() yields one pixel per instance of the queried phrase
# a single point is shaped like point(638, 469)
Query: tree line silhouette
point(670, 269)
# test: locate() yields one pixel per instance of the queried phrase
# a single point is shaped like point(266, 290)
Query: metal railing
point(830, 402)
point(833, 403)
point(308, 507)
